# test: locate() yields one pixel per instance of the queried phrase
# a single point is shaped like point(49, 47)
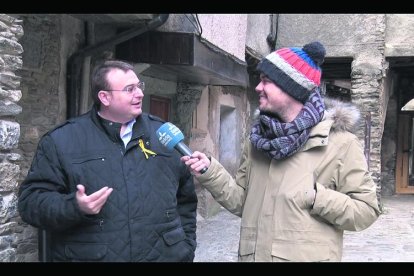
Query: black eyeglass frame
point(140, 85)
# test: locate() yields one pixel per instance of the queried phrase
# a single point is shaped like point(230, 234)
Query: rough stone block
point(9, 173)
point(9, 135)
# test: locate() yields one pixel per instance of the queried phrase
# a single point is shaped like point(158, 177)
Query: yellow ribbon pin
point(145, 150)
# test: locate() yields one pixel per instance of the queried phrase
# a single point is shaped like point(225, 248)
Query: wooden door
point(404, 173)
point(160, 106)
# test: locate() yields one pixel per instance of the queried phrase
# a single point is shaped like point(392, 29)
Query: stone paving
point(389, 239)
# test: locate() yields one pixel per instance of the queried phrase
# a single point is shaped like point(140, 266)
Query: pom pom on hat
point(295, 70)
point(315, 51)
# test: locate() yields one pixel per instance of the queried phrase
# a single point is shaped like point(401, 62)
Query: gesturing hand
point(93, 203)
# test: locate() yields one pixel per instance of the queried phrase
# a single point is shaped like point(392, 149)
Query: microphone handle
point(183, 149)
point(186, 151)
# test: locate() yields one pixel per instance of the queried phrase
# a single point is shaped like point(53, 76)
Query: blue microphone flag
point(169, 135)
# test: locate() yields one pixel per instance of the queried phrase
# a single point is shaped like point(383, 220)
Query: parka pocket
point(283, 250)
point(303, 193)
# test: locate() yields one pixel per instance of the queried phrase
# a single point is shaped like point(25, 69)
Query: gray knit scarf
point(280, 140)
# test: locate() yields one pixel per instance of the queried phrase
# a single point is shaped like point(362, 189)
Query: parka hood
point(346, 116)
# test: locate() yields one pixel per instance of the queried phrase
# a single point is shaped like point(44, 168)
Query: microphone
point(171, 137)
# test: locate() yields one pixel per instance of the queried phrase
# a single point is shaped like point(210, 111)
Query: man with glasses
point(105, 188)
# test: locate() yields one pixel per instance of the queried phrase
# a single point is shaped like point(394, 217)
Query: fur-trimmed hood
point(346, 116)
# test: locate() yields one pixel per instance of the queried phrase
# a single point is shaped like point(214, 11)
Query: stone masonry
point(10, 62)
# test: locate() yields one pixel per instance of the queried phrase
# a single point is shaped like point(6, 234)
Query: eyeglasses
point(131, 88)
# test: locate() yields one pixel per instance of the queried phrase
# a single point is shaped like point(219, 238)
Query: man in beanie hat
point(303, 178)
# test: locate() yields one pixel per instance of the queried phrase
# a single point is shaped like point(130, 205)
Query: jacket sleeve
point(187, 205)
point(229, 192)
point(354, 205)
point(43, 199)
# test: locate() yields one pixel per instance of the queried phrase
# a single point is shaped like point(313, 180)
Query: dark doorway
point(160, 106)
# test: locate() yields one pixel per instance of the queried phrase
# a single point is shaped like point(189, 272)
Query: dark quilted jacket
point(151, 213)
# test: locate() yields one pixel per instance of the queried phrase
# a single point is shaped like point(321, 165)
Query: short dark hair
point(99, 81)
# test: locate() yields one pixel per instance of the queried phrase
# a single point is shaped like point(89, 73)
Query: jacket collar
point(113, 129)
point(141, 128)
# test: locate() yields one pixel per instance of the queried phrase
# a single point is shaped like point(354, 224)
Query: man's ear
point(104, 97)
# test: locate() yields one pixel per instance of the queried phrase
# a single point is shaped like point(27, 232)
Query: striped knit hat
point(296, 71)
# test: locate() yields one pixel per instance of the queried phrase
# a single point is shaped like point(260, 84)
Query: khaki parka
point(274, 198)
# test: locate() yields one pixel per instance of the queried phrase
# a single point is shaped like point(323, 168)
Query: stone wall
point(48, 41)
point(40, 100)
point(10, 62)
point(368, 72)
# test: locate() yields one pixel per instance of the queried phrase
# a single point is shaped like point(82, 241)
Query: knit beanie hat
point(296, 71)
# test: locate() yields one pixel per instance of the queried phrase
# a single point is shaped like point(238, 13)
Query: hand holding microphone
point(171, 137)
